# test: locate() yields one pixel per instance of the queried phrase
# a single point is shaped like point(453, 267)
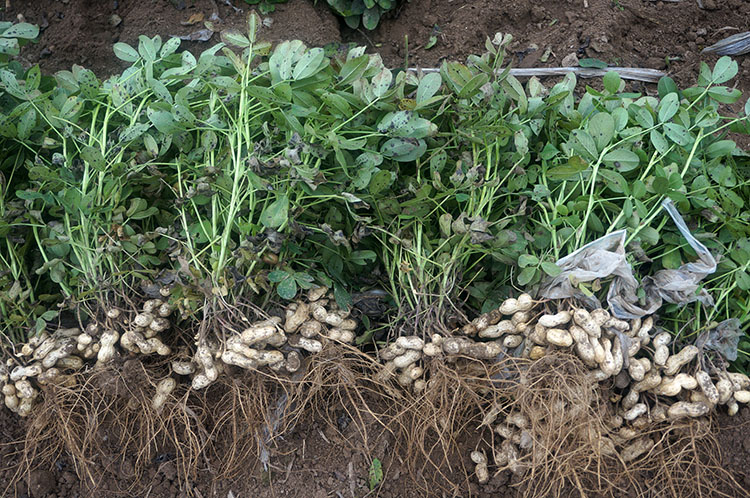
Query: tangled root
point(567, 422)
point(686, 462)
point(228, 430)
point(558, 417)
point(435, 422)
point(568, 441)
point(110, 412)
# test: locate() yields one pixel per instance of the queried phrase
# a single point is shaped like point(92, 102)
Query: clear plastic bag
point(605, 257)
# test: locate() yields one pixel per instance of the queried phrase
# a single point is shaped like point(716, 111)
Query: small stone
point(114, 20)
point(570, 60)
point(598, 46)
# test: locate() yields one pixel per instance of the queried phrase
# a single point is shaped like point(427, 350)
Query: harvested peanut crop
point(275, 343)
point(660, 380)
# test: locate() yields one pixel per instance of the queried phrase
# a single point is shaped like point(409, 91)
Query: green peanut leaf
point(125, 52)
point(287, 288)
point(21, 30)
point(526, 275)
point(381, 82)
point(234, 37)
point(622, 160)
point(668, 107)
point(525, 260)
point(573, 167)
point(612, 82)
point(724, 70)
point(94, 157)
point(428, 86)
point(678, 134)
point(276, 213)
point(309, 64)
point(551, 269)
point(602, 129)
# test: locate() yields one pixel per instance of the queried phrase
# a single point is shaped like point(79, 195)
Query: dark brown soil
point(316, 460)
point(734, 438)
point(622, 32)
point(656, 34)
point(83, 31)
point(320, 458)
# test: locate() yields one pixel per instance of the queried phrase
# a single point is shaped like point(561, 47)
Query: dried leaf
point(194, 19)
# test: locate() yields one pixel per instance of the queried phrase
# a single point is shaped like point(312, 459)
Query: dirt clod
point(41, 483)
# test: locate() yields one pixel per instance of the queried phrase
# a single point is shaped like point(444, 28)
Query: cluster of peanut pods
point(277, 344)
point(53, 357)
point(660, 380)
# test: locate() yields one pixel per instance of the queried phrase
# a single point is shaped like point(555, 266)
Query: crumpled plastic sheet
point(605, 257)
point(681, 286)
point(724, 338)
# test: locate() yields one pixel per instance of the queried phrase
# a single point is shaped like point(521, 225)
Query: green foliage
point(13, 37)
point(265, 6)
point(288, 282)
point(251, 172)
point(375, 474)
point(364, 12)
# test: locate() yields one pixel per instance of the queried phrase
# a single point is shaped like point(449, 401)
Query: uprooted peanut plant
point(652, 387)
point(207, 250)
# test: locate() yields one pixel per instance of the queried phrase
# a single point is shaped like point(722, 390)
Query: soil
point(320, 458)
point(644, 33)
point(315, 461)
point(328, 456)
point(83, 31)
point(734, 439)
